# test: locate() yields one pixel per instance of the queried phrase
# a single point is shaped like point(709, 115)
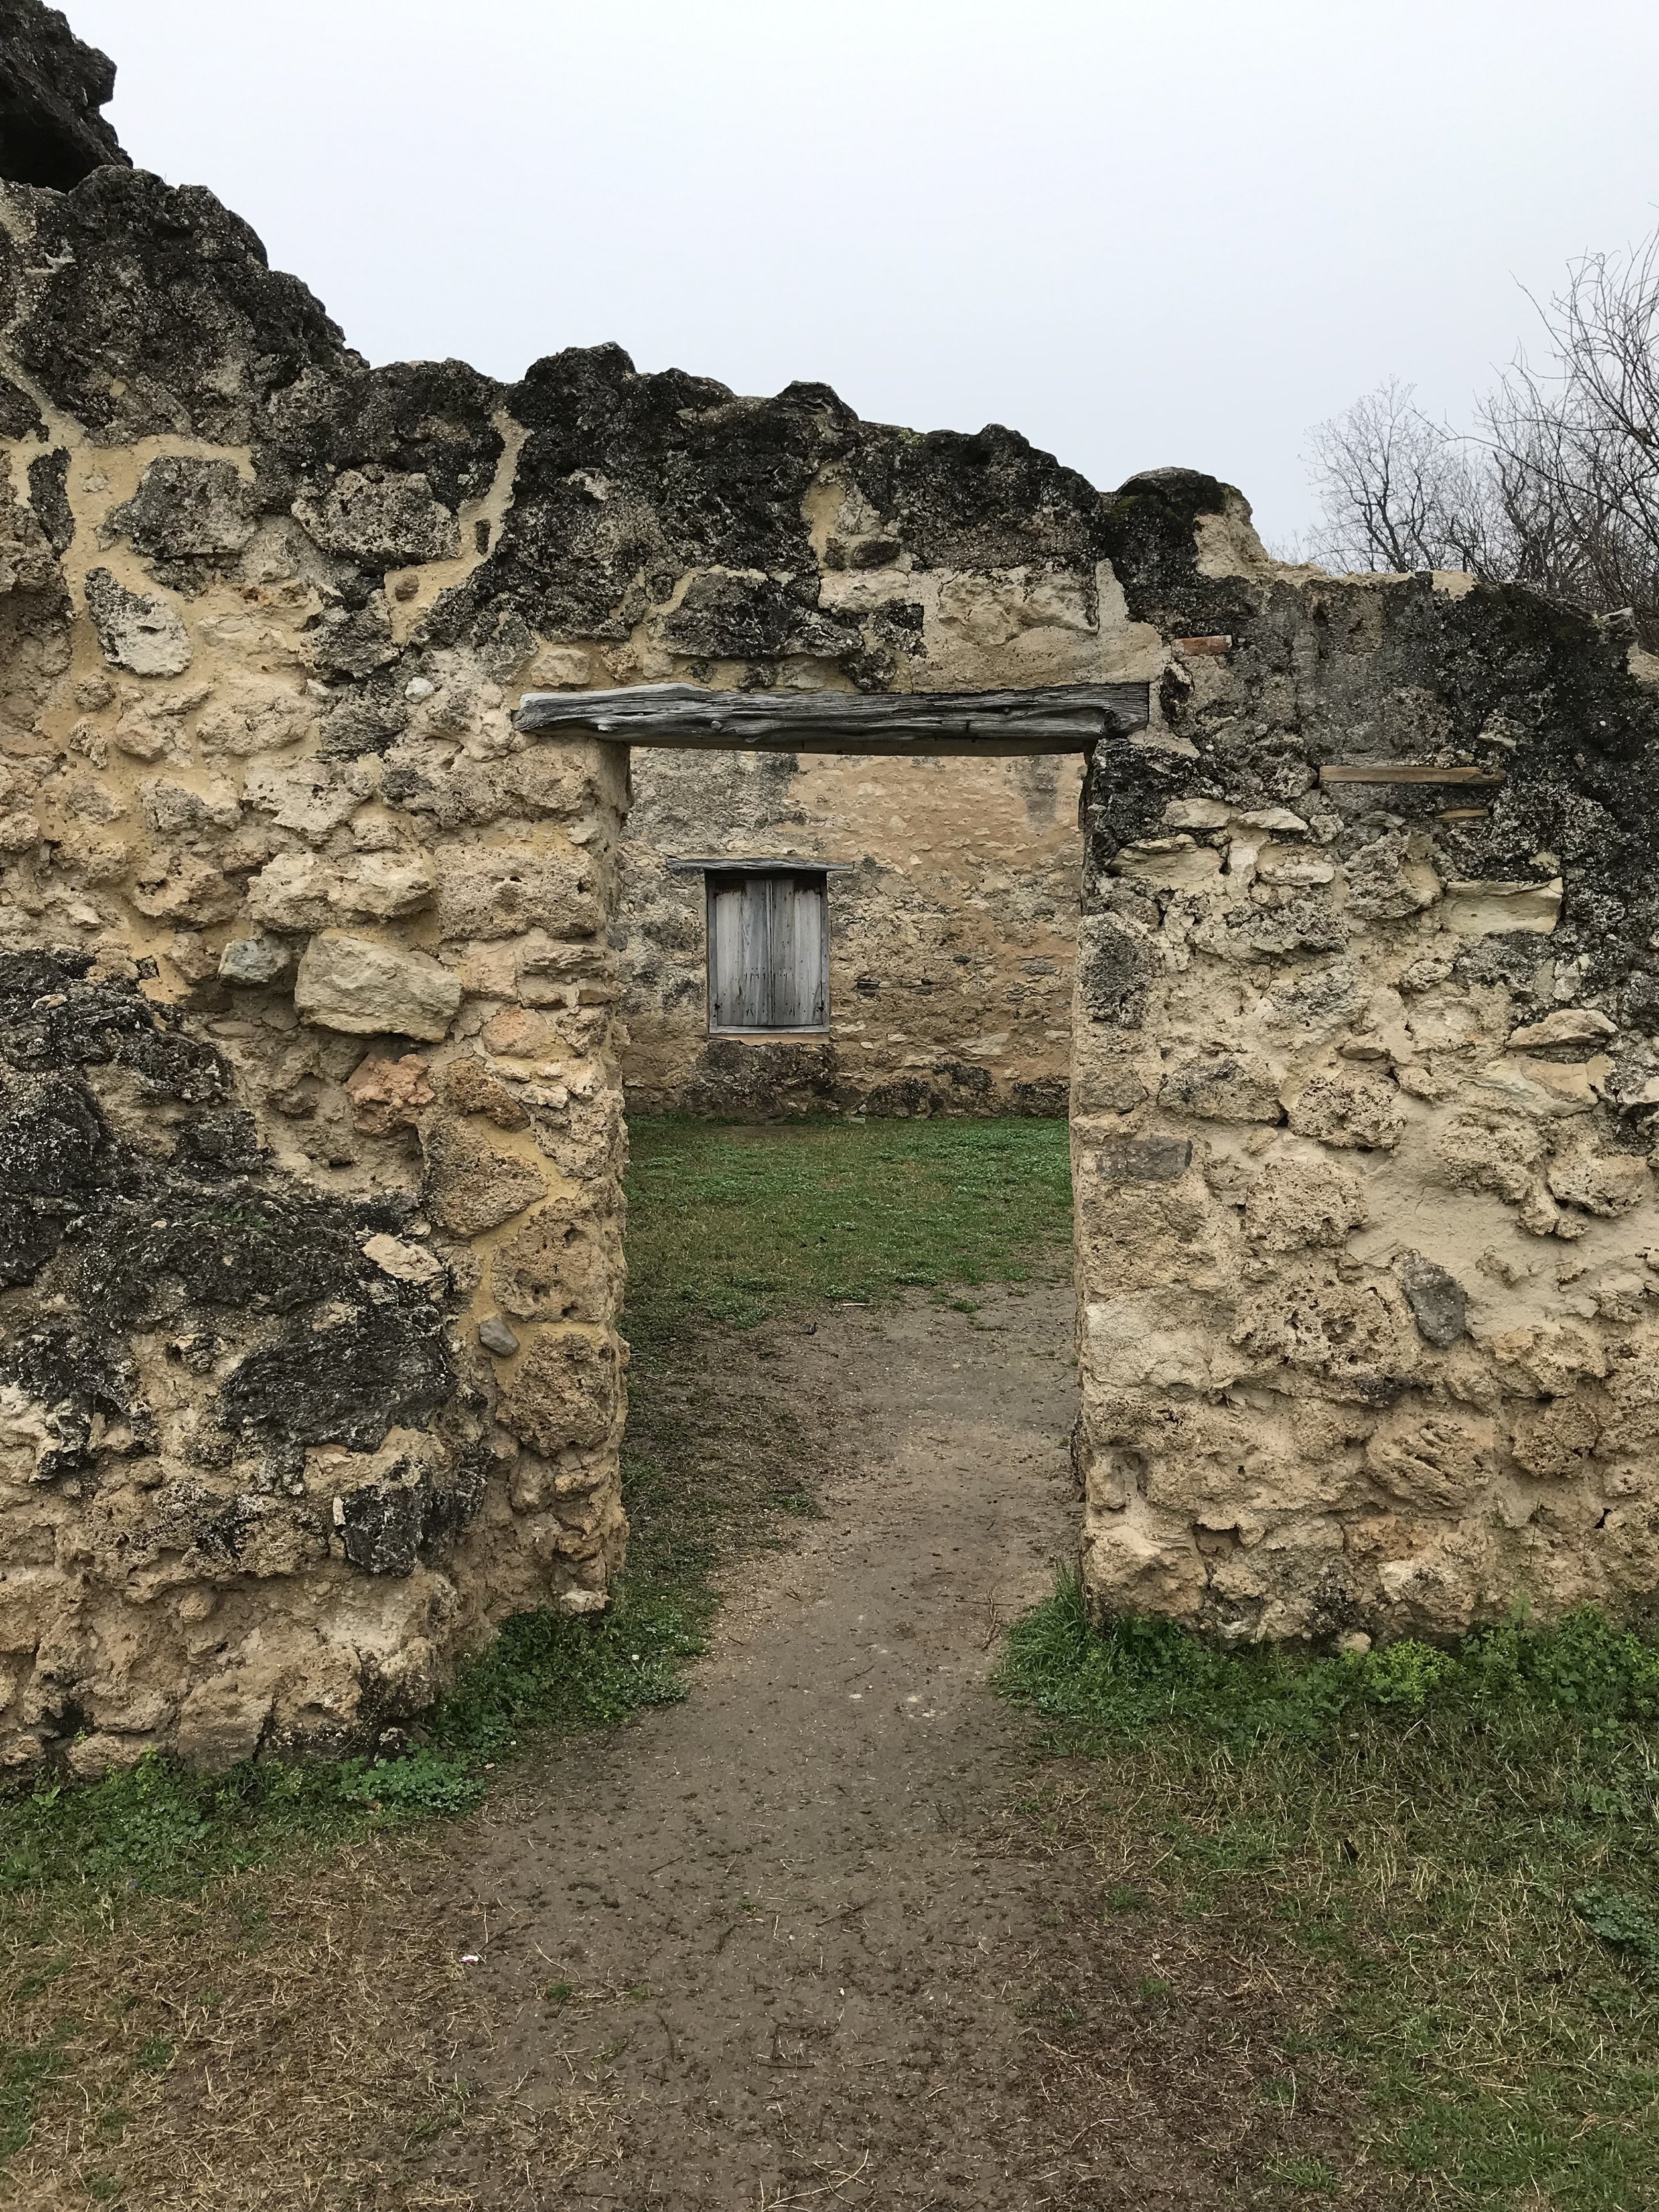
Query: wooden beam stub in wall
point(1476, 779)
point(1055, 718)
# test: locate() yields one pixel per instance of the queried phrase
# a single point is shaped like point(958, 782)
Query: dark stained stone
point(49, 497)
point(52, 88)
point(1144, 1159)
point(1438, 1304)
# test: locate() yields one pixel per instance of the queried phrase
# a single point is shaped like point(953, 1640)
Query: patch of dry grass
point(288, 2039)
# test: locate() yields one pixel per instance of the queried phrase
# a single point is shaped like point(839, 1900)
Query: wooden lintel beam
point(1057, 719)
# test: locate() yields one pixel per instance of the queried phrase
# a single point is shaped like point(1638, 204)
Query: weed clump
point(1141, 1673)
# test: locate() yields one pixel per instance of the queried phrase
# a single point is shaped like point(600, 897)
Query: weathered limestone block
point(1223, 1087)
point(497, 891)
point(1297, 1202)
point(470, 1088)
point(390, 1094)
point(368, 987)
point(249, 717)
point(1485, 909)
point(187, 507)
point(379, 516)
point(136, 630)
point(566, 1394)
point(560, 1266)
point(475, 1185)
point(303, 891)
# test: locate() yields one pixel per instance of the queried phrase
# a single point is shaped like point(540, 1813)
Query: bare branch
point(1557, 488)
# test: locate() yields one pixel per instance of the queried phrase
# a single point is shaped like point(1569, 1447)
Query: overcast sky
point(1172, 231)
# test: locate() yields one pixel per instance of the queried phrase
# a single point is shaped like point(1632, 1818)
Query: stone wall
point(1366, 1076)
point(951, 946)
point(311, 1134)
point(310, 1120)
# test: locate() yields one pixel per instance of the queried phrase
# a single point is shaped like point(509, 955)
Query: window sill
point(766, 1037)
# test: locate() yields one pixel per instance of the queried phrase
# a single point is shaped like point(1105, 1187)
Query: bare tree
point(1574, 447)
point(1558, 488)
point(1396, 490)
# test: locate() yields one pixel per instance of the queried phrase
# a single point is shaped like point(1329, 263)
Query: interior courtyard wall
point(952, 939)
point(1366, 1081)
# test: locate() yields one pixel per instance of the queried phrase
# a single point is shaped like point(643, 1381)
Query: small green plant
point(1628, 1925)
point(1310, 2173)
point(1138, 1673)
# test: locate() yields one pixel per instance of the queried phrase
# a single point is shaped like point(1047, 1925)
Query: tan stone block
point(1226, 1086)
point(182, 888)
point(1486, 909)
point(554, 1269)
point(1490, 1151)
point(368, 988)
point(562, 779)
point(1548, 1089)
point(95, 856)
point(566, 1393)
point(470, 1088)
point(1170, 864)
point(1429, 1593)
point(1548, 1359)
point(501, 891)
point(1567, 1025)
point(517, 1033)
point(1144, 1234)
point(222, 1720)
point(1294, 1203)
point(1358, 1111)
point(1557, 1443)
point(473, 1186)
point(1157, 1340)
point(1357, 1341)
point(1439, 1465)
point(1604, 1183)
point(1134, 1565)
point(389, 1094)
point(248, 717)
point(1391, 879)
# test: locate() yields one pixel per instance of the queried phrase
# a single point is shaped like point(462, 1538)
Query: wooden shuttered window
point(769, 951)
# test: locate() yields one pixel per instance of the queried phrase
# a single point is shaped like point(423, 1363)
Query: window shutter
point(769, 951)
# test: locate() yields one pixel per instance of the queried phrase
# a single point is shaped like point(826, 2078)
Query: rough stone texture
point(1364, 1087)
point(311, 1066)
point(309, 993)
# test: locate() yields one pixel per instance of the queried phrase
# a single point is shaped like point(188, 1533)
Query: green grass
point(738, 1225)
point(1464, 1841)
point(727, 1226)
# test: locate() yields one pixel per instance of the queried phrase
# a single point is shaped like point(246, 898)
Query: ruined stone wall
point(1365, 1083)
point(311, 1135)
point(951, 946)
point(310, 1122)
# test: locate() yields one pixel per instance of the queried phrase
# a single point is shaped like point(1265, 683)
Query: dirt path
point(798, 1941)
point(805, 1957)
